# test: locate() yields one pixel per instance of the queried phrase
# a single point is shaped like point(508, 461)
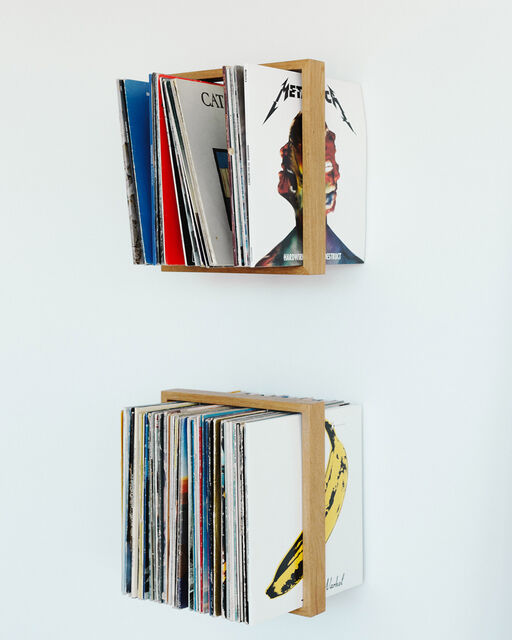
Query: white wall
point(420, 334)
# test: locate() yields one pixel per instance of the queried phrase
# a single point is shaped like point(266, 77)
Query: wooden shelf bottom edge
point(303, 271)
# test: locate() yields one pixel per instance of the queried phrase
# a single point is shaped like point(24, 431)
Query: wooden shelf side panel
point(313, 478)
point(313, 510)
point(313, 166)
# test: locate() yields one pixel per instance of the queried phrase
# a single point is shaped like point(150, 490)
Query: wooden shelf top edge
point(278, 403)
point(216, 74)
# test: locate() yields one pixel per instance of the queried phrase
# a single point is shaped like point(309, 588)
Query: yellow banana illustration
point(289, 571)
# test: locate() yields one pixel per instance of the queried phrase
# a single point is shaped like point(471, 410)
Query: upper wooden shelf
point(313, 158)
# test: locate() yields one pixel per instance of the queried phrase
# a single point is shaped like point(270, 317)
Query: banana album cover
point(273, 112)
point(274, 509)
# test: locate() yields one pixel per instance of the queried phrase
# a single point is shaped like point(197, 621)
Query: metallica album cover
point(273, 121)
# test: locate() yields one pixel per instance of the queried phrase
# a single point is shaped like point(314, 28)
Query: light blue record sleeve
point(138, 107)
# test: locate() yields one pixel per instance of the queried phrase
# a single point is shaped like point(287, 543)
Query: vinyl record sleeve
point(202, 106)
point(274, 507)
point(136, 95)
point(179, 584)
point(137, 529)
point(190, 231)
point(273, 103)
point(345, 173)
point(274, 512)
point(167, 209)
point(127, 503)
point(237, 165)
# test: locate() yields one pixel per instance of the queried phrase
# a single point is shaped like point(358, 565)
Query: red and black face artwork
point(291, 175)
point(332, 171)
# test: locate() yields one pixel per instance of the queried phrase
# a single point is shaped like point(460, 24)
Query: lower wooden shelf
point(313, 482)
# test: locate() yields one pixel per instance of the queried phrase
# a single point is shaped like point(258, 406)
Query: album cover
point(189, 222)
point(202, 111)
point(273, 111)
point(134, 113)
point(273, 498)
point(127, 499)
point(137, 496)
point(345, 173)
point(237, 160)
point(274, 554)
point(165, 197)
point(181, 573)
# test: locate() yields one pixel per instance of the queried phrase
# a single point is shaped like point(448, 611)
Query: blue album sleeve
point(138, 107)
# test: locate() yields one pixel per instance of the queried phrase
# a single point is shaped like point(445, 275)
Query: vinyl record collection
point(214, 170)
point(211, 505)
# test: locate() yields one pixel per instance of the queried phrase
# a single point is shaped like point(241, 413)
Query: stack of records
point(212, 508)
point(214, 170)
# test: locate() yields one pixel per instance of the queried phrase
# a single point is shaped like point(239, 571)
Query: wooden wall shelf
point(313, 477)
point(313, 158)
